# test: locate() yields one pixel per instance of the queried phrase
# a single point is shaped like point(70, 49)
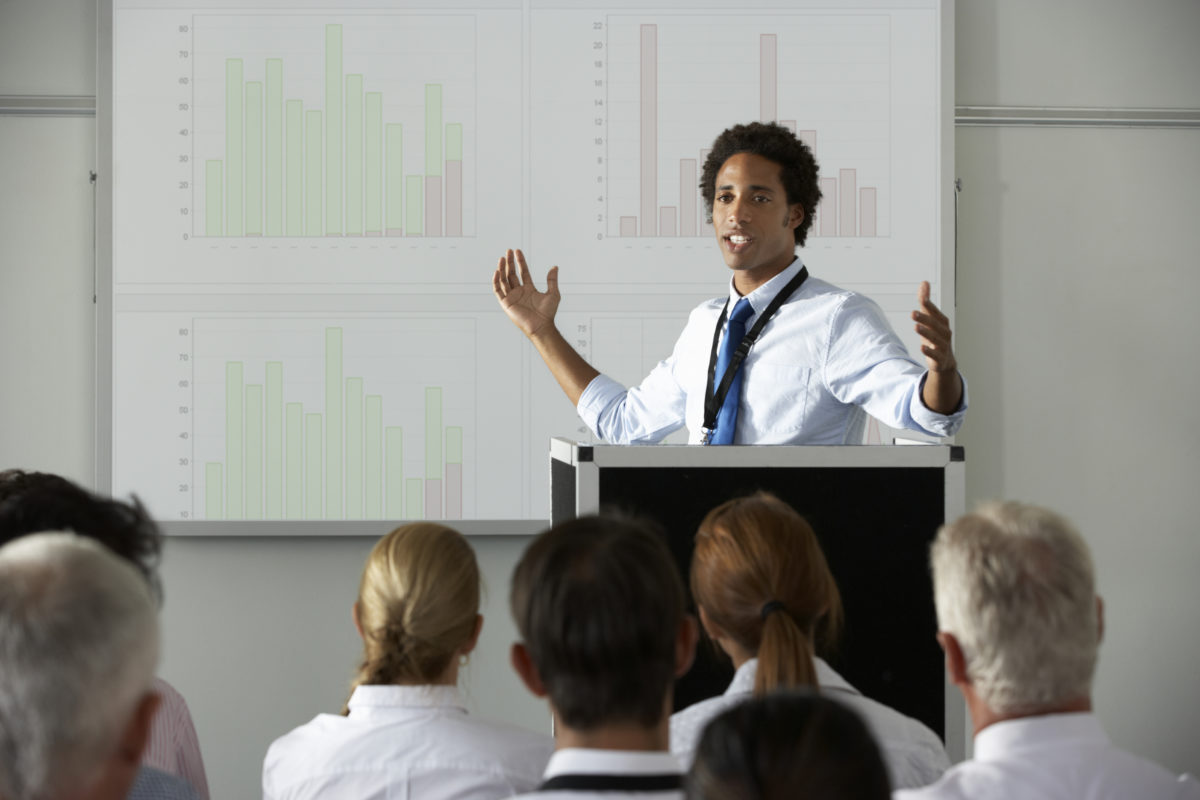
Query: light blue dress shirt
point(826, 359)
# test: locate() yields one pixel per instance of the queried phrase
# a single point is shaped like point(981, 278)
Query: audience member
point(767, 598)
point(36, 501)
point(405, 731)
point(78, 649)
point(600, 610)
point(1020, 623)
point(787, 745)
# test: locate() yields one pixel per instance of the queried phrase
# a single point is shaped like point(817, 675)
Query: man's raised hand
point(934, 329)
point(532, 311)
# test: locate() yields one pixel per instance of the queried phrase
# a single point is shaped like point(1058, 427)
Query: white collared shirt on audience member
point(639, 772)
point(404, 741)
point(914, 754)
point(1054, 756)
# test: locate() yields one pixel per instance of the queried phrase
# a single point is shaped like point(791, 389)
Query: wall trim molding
point(39, 105)
point(31, 105)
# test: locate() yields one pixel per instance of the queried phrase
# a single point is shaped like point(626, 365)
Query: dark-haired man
point(599, 607)
point(820, 358)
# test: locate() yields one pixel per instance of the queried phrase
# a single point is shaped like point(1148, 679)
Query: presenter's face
point(752, 219)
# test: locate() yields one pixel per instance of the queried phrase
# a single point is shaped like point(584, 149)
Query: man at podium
point(784, 358)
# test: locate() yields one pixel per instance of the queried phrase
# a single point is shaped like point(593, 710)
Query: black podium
point(875, 509)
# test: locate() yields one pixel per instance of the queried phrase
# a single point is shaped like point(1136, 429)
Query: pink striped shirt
point(173, 746)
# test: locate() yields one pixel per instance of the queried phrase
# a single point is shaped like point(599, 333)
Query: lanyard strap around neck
point(714, 400)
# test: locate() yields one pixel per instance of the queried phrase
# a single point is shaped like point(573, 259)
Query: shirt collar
point(761, 297)
point(827, 678)
point(373, 699)
point(999, 739)
point(589, 761)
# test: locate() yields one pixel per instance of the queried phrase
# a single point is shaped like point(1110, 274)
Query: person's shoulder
point(687, 724)
point(509, 738)
point(154, 784)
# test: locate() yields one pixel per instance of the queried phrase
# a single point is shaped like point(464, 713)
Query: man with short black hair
point(1020, 622)
point(806, 361)
point(600, 610)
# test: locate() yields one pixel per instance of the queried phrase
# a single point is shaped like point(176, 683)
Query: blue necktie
point(734, 332)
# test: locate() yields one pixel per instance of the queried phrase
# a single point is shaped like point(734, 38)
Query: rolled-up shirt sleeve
point(645, 414)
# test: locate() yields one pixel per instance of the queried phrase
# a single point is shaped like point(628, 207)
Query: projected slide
point(308, 200)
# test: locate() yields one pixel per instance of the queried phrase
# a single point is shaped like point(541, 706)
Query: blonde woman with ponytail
point(404, 731)
point(768, 600)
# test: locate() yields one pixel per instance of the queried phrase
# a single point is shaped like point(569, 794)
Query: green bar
point(374, 456)
point(333, 129)
point(212, 490)
point(295, 461)
point(395, 472)
point(295, 168)
point(234, 111)
point(394, 135)
point(274, 437)
point(416, 499)
point(213, 192)
point(312, 183)
point(374, 177)
point(433, 432)
point(354, 154)
point(312, 466)
point(416, 208)
point(354, 448)
point(453, 445)
point(454, 141)
point(274, 147)
point(333, 423)
point(233, 440)
point(433, 129)
point(254, 451)
point(254, 157)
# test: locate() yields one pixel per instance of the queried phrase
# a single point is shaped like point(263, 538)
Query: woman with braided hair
point(767, 599)
point(404, 731)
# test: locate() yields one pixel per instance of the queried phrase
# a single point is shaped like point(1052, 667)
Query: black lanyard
point(614, 783)
point(714, 400)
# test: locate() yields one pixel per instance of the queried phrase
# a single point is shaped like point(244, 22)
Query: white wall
point(1077, 286)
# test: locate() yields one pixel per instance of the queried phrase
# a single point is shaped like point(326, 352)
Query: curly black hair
point(32, 502)
point(797, 166)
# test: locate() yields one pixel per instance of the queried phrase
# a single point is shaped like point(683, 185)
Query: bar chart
point(356, 128)
point(662, 118)
point(332, 421)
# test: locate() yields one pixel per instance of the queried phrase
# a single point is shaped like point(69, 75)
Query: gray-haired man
point(78, 649)
point(1020, 622)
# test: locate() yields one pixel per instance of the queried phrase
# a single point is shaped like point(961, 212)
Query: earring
point(463, 659)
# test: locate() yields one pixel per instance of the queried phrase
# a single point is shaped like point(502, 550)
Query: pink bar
point(373, 233)
point(687, 197)
point(846, 186)
point(705, 225)
point(827, 210)
point(454, 491)
point(790, 124)
point(393, 232)
point(433, 498)
point(649, 117)
point(866, 204)
point(768, 76)
point(454, 198)
point(433, 205)
point(809, 138)
point(666, 221)
point(629, 226)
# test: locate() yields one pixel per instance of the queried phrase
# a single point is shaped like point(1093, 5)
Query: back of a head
point(78, 650)
point(417, 604)
point(1015, 585)
point(759, 575)
point(31, 502)
point(599, 605)
point(788, 745)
